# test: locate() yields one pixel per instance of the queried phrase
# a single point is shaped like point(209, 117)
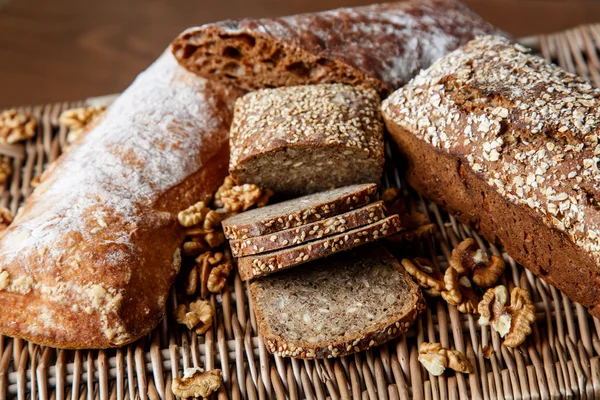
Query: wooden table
point(73, 49)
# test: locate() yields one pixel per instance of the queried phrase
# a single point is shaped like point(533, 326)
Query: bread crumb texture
point(528, 128)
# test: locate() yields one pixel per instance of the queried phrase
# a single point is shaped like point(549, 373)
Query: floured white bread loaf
point(89, 261)
point(380, 45)
point(337, 306)
point(306, 139)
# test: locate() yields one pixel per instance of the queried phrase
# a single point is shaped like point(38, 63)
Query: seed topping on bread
point(527, 127)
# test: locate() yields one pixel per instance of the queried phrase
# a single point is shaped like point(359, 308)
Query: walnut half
point(436, 359)
point(427, 277)
point(231, 198)
point(16, 126)
point(469, 260)
point(199, 317)
point(513, 322)
point(197, 383)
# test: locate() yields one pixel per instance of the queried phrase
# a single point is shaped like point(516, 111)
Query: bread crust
point(380, 46)
point(514, 194)
point(379, 334)
point(305, 233)
point(91, 257)
point(263, 264)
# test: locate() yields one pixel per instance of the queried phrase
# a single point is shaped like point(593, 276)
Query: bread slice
point(297, 212)
point(305, 233)
point(334, 307)
point(254, 266)
point(319, 137)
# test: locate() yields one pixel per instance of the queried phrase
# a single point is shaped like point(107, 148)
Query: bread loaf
point(89, 260)
point(326, 227)
point(266, 263)
point(298, 212)
point(338, 306)
point(381, 46)
point(306, 139)
point(509, 144)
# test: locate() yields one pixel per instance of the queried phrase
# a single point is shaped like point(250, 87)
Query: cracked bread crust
point(380, 46)
point(355, 268)
point(297, 212)
point(305, 233)
point(251, 267)
point(518, 145)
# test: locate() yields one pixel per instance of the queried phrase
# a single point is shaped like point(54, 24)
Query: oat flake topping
point(530, 129)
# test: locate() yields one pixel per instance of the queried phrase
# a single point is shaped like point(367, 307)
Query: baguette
point(380, 46)
point(89, 260)
point(263, 264)
point(509, 144)
point(338, 306)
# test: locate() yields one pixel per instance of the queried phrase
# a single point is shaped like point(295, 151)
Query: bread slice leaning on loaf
point(381, 46)
point(89, 260)
point(337, 306)
point(509, 144)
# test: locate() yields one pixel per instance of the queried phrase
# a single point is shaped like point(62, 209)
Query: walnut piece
point(436, 359)
point(218, 277)
point(16, 126)
point(198, 317)
point(417, 225)
point(469, 260)
point(6, 218)
point(197, 383)
point(193, 215)
point(76, 119)
point(202, 273)
point(231, 198)
point(5, 170)
point(205, 229)
point(427, 277)
point(4, 279)
point(511, 322)
point(459, 292)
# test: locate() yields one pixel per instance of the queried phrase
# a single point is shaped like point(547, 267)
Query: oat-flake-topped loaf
point(337, 306)
point(380, 45)
point(90, 259)
point(306, 139)
point(509, 144)
point(299, 211)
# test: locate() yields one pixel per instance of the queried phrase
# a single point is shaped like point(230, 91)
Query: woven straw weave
point(560, 358)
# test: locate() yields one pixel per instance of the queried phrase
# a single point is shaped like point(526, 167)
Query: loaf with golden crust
point(509, 144)
point(89, 260)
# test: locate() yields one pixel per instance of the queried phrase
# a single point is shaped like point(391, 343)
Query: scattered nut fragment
point(4, 279)
point(76, 119)
point(469, 260)
point(487, 351)
point(202, 273)
point(193, 215)
point(194, 248)
point(5, 170)
point(218, 277)
point(197, 383)
point(6, 218)
point(459, 292)
point(428, 278)
point(16, 126)
point(512, 322)
point(231, 198)
point(417, 225)
point(436, 359)
point(199, 317)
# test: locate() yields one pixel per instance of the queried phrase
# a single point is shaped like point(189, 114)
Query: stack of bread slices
point(312, 297)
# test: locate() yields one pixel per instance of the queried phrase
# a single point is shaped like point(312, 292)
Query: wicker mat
point(560, 358)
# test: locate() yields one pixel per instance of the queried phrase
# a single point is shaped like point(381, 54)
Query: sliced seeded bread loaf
point(341, 305)
point(290, 237)
point(380, 45)
point(297, 212)
point(263, 264)
point(305, 139)
point(516, 140)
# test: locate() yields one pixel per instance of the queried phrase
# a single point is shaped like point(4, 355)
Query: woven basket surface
point(561, 358)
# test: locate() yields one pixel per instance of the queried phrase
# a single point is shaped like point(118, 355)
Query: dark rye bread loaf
point(297, 212)
point(381, 46)
point(305, 233)
point(306, 139)
point(263, 264)
point(338, 306)
point(509, 144)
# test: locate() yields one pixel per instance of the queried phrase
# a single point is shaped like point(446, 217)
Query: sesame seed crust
point(306, 233)
point(298, 212)
point(527, 128)
point(251, 267)
point(273, 296)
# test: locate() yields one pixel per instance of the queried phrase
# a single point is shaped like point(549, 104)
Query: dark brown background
point(53, 50)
